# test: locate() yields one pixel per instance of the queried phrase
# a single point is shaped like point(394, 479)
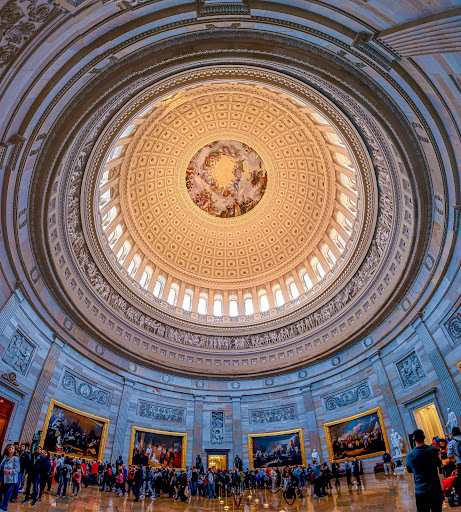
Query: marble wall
point(406, 373)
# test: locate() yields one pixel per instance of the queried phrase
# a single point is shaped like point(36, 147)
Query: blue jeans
point(63, 486)
point(5, 494)
point(211, 491)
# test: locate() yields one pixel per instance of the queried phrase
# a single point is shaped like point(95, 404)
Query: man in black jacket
point(36, 466)
point(138, 480)
point(424, 462)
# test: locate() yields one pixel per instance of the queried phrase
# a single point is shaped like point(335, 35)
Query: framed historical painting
point(158, 448)
point(69, 431)
point(274, 449)
point(358, 436)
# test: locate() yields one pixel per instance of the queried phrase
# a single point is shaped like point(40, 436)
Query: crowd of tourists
point(33, 474)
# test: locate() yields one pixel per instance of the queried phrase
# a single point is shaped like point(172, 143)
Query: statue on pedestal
point(315, 456)
point(36, 440)
point(452, 421)
point(238, 463)
point(396, 442)
point(199, 465)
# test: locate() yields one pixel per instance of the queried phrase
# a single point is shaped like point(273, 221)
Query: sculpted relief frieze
point(86, 389)
point(311, 322)
point(19, 353)
point(347, 396)
point(275, 415)
point(217, 427)
point(411, 370)
point(20, 20)
point(161, 412)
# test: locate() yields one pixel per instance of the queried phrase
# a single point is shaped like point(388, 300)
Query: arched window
point(279, 300)
point(109, 217)
point(115, 153)
point(293, 290)
point(318, 269)
point(127, 131)
point(158, 288)
point(341, 241)
point(104, 198)
point(331, 257)
point(233, 306)
point(115, 235)
point(123, 252)
point(217, 306)
point(202, 304)
point(248, 305)
point(263, 302)
point(134, 265)
point(187, 301)
point(307, 281)
point(145, 278)
point(173, 294)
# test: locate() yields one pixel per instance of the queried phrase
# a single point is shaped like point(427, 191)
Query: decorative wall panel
point(217, 427)
point(19, 353)
point(411, 370)
point(347, 396)
point(161, 412)
point(273, 415)
point(86, 389)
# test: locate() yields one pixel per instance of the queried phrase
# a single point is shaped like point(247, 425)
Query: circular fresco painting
point(226, 178)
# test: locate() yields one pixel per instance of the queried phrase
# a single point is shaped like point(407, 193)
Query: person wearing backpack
point(454, 452)
point(76, 479)
point(64, 475)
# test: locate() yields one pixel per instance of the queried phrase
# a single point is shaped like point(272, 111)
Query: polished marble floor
point(378, 494)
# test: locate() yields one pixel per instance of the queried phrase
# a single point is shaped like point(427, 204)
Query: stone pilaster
point(237, 446)
point(438, 363)
point(388, 394)
point(197, 442)
point(9, 308)
point(314, 438)
point(122, 418)
point(38, 396)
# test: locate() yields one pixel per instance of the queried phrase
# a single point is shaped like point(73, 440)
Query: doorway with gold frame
point(217, 459)
point(428, 420)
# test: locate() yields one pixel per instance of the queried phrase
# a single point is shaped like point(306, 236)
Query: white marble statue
point(315, 455)
point(452, 420)
point(396, 441)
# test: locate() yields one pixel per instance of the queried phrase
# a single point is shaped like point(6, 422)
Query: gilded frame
point(183, 435)
point(106, 421)
point(377, 411)
point(279, 433)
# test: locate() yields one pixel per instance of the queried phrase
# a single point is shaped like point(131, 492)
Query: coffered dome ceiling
point(227, 201)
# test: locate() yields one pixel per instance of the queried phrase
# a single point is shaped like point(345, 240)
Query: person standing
point(138, 479)
point(348, 468)
point(356, 471)
point(335, 473)
point(210, 477)
point(454, 451)
point(36, 467)
point(424, 462)
point(9, 470)
point(387, 463)
point(64, 475)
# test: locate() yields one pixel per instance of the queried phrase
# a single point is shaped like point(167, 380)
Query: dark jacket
point(24, 461)
point(37, 464)
point(423, 462)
